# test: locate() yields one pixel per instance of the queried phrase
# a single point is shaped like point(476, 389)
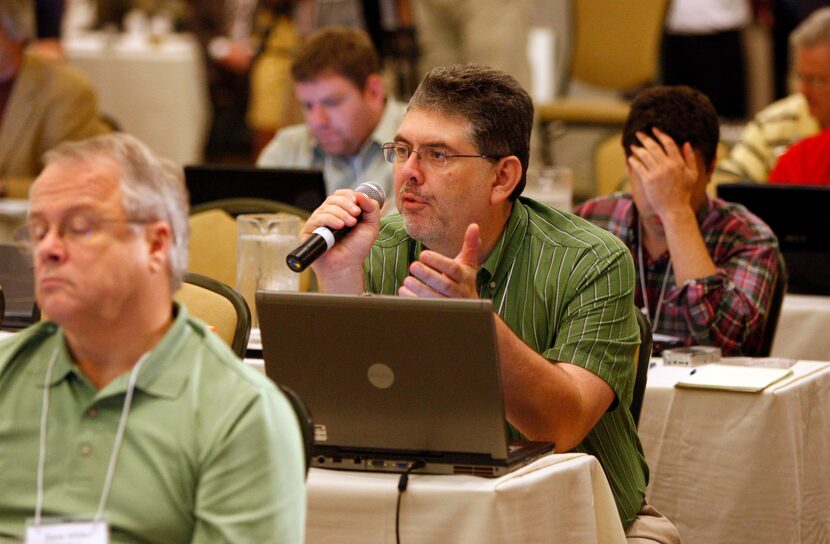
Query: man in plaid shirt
point(706, 268)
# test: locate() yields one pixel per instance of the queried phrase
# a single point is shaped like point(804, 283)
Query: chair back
point(304, 419)
point(219, 306)
point(617, 44)
point(212, 246)
point(2, 304)
point(610, 173)
point(643, 358)
point(774, 310)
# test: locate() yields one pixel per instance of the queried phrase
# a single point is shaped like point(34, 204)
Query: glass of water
point(263, 242)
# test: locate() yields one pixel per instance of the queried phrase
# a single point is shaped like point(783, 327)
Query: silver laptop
point(390, 381)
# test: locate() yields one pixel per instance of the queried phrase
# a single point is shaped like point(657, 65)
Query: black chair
point(304, 419)
point(2, 304)
point(774, 310)
point(643, 358)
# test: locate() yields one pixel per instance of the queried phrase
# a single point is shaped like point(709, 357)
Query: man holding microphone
point(562, 289)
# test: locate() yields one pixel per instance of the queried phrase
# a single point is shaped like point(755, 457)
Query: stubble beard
point(427, 232)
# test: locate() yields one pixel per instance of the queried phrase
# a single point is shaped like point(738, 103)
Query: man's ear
point(159, 238)
point(508, 174)
point(374, 87)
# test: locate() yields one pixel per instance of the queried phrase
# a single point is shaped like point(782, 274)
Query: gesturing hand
point(434, 275)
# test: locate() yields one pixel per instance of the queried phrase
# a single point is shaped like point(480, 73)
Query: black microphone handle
point(311, 248)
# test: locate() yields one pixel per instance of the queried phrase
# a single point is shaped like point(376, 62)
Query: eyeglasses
point(76, 228)
point(432, 156)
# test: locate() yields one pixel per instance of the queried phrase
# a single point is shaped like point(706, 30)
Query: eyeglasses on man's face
point(76, 228)
point(430, 155)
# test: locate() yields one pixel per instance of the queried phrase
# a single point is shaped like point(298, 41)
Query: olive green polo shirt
point(566, 288)
point(211, 453)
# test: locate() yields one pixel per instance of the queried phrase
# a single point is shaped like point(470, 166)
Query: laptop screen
point(798, 215)
point(17, 281)
point(299, 187)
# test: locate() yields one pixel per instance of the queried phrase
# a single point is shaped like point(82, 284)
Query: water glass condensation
point(263, 242)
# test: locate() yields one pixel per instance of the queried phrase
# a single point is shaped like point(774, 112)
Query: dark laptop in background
point(799, 215)
point(393, 380)
point(299, 187)
point(17, 279)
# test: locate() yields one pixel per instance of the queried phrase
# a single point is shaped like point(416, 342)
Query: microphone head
point(373, 191)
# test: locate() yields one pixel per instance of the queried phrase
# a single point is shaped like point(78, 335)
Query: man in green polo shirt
point(562, 289)
point(120, 411)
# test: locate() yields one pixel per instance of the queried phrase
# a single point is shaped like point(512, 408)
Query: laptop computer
point(299, 187)
point(393, 380)
point(17, 280)
point(798, 215)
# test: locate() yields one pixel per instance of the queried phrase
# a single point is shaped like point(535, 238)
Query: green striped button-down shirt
point(565, 287)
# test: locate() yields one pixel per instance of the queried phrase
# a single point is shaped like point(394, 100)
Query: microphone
point(323, 238)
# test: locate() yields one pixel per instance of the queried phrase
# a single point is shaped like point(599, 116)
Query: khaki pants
point(651, 526)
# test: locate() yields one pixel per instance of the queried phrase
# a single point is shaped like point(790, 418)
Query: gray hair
point(499, 113)
point(17, 19)
point(153, 187)
point(814, 30)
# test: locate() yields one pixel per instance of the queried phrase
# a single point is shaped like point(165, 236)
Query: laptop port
point(321, 459)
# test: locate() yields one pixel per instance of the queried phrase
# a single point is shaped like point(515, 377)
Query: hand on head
point(667, 174)
point(434, 275)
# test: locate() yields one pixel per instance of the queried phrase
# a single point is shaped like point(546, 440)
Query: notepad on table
point(733, 378)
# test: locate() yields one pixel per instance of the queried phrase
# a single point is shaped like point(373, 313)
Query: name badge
point(62, 531)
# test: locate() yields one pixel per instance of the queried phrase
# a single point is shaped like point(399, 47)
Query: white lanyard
point(119, 436)
point(645, 309)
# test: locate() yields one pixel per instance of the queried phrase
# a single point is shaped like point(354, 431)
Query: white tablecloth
point(741, 468)
point(155, 92)
point(803, 329)
point(558, 498)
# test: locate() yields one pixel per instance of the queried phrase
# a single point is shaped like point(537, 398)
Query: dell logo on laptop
point(381, 376)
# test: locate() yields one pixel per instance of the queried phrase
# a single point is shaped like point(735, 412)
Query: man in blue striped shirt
point(562, 288)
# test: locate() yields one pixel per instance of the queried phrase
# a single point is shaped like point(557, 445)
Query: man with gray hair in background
point(786, 121)
point(121, 411)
